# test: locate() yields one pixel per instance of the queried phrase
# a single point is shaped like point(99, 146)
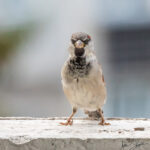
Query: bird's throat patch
point(78, 67)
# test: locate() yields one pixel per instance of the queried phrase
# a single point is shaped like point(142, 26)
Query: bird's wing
point(103, 79)
point(101, 74)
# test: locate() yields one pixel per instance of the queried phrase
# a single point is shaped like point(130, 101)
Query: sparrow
point(82, 78)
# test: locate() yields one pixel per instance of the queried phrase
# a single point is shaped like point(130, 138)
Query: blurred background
point(34, 36)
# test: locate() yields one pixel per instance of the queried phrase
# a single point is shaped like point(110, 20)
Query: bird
point(82, 78)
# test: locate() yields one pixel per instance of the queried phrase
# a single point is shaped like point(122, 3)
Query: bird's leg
point(69, 120)
point(102, 118)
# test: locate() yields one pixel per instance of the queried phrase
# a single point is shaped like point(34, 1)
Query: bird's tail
point(93, 114)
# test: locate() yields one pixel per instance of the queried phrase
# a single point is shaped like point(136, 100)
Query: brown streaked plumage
point(82, 78)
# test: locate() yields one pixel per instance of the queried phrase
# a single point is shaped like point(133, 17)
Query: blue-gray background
point(34, 36)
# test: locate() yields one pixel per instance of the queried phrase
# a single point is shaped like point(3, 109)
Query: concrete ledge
point(85, 134)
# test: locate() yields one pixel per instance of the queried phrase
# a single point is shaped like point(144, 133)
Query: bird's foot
point(103, 123)
point(68, 122)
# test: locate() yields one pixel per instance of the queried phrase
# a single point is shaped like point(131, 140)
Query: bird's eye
point(73, 41)
point(86, 41)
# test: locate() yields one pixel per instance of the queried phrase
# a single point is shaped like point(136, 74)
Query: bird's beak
point(79, 44)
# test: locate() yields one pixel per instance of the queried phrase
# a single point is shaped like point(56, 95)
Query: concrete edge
point(64, 118)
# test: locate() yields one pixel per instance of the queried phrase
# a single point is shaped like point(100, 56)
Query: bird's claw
point(68, 122)
point(104, 123)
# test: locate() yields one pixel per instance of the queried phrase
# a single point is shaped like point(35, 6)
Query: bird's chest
point(82, 85)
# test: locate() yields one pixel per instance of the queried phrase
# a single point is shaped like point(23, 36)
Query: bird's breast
point(87, 93)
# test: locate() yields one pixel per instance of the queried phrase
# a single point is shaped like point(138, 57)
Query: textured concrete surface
point(84, 134)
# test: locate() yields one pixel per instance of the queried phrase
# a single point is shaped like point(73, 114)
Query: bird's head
point(81, 44)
